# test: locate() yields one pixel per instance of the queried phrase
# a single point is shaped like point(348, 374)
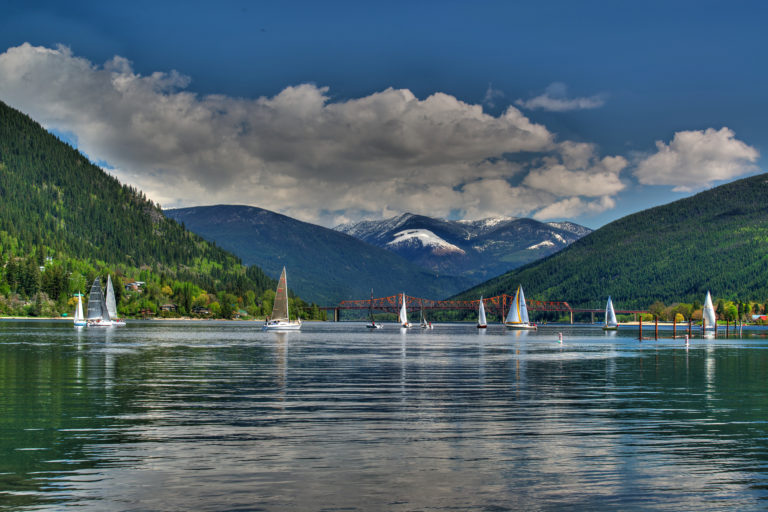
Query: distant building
point(200, 310)
point(134, 286)
point(169, 307)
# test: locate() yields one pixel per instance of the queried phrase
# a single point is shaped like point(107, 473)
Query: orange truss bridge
point(499, 304)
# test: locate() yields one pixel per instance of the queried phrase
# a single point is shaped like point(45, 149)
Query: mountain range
point(410, 253)
point(323, 265)
point(716, 240)
point(474, 249)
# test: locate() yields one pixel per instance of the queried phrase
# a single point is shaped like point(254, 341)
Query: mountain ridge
point(476, 249)
point(323, 264)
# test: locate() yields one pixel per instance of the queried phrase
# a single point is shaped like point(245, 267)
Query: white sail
point(513, 317)
point(522, 306)
point(481, 321)
point(404, 314)
point(111, 306)
point(79, 318)
point(708, 314)
point(280, 319)
point(610, 314)
point(518, 312)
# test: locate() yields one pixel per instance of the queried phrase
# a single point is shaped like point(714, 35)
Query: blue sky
point(589, 110)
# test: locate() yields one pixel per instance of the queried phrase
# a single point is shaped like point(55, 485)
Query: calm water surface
point(222, 416)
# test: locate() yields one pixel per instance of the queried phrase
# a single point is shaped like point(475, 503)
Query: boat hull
point(100, 323)
point(373, 326)
point(80, 323)
point(524, 327)
point(482, 326)
point(282, 326)
point(611, 328)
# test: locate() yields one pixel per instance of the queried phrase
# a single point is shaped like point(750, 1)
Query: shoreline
point(66, 318)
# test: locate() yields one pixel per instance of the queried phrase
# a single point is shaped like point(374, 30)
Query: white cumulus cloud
point(300, 152)
point(555, 99)
point(697, 158)
point(578, 171)
point(574, 206)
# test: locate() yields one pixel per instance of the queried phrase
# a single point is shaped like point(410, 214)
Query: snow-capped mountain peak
point(478, 248)
point(425, 238)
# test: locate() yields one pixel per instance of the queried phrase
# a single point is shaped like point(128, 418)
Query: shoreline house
point(134, 286)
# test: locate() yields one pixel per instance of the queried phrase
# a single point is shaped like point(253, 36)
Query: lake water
point(223, 416)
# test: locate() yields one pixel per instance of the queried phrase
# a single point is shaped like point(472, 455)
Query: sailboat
point(373, 324)
point(98, 315)
point(79, 318)
point(111, 305)
point(518, 313)
point(424, 324)
point(481, 322)
point(280, 320)
point(404, 315)
point(708, 315)
point(611, 324)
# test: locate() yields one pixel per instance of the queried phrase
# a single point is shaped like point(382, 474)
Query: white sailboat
point(404, 315)
point(708, 315)
point(111, 305)
point(481, 322)
point(98, 315)
point(518, 313)
point(611, 324)
point(280, 320)
point(79, 318)
point(424, 324)
point(373, 324)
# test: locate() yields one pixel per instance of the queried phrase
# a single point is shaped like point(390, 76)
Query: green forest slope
point(63, 221)
point(716, 240)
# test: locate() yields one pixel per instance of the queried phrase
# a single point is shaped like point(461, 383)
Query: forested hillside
point(716, 240)
point(63, 221)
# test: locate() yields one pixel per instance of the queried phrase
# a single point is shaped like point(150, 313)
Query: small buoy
point(559, 337)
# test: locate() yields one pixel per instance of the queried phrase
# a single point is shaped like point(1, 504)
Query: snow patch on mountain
point(542, 245)
point(425, 238)
point(570, 227)
point(480, 227)
point(366, 227)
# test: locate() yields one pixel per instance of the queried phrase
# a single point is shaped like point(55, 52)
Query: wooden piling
point(674, 326)
point(703, 325)
point(656, 329)
point(727, 327)
point(640, 330)
point(690, 327)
